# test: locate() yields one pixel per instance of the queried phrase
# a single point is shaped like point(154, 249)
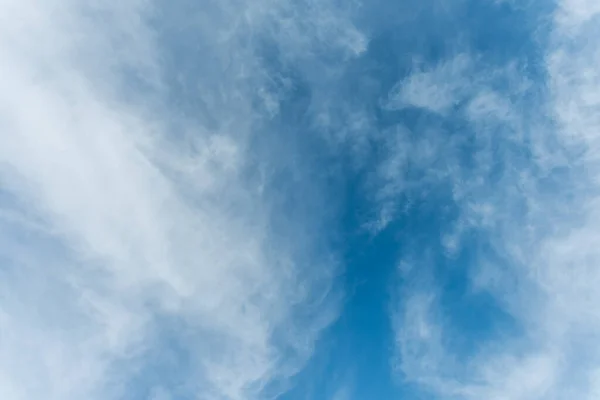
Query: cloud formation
point(146, 250)
point(526, 206)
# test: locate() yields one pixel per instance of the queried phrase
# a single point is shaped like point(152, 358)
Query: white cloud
point(120, 213)
point(343, 393)
point(418, 160)
point(437, 89)
point(540, 215)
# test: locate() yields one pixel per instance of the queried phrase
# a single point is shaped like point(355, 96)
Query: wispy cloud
point(530, 193)
point(145, 253)
point(343, 393)
point(436, 89)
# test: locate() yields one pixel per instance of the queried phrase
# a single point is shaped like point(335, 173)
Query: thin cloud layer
point(145, 249)
point(526, 209)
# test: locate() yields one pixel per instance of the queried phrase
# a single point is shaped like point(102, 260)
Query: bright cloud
point(144, 251)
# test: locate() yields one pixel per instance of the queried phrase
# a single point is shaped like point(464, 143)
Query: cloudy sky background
point(239, 200)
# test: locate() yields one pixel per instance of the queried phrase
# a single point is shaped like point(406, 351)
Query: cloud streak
point(145, 253)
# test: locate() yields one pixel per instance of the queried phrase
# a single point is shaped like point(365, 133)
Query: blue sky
point(299, 200)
